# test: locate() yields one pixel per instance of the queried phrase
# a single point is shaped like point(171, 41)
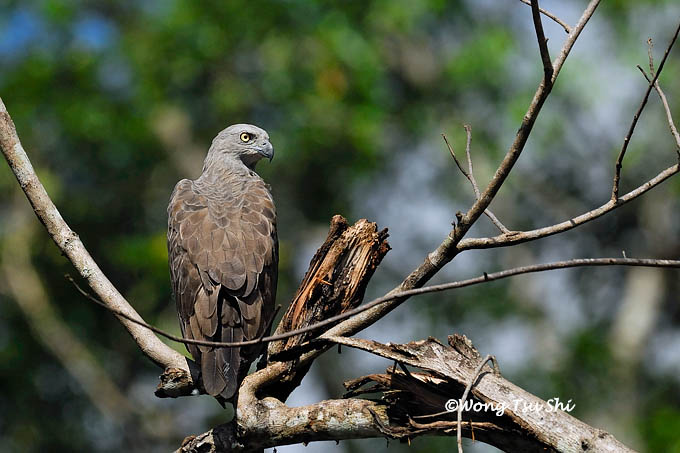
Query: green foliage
point(663, 427)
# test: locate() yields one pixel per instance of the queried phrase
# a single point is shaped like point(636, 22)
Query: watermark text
point(517, 406)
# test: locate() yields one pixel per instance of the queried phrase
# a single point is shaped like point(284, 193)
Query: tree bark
point(334, 283)
point(412, 404)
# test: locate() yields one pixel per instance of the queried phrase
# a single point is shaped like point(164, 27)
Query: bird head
point(246, 142)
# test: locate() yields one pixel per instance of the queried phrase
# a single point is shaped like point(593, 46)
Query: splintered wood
point(336, 280)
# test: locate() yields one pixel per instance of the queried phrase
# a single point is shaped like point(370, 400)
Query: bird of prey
point(223, 256)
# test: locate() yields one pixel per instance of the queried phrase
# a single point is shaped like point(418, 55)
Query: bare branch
point(662, 96)
point(336, 278)
point(532, 235)
point(631, 129)
point(667, 109)
point(447, 250)
point(458, 164)
point(468, 387)
point(469, 174)
point(446, 371)
point(489, 214)
point(525, 128)
point(69, 242)
point(278, 424)
point(427, 392)
point(468, 142)
point(484, 278)
point(564, 25)
point(542, 42)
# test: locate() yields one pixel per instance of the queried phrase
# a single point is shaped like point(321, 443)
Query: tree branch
point(177, 375)
point(563, 24)
point(526, 236)
point(484, 278)
point(470, 175)
point(335, 283)
point(669, 116)
point(70, 244)
point(412, 404)
point(279, 353)
point(631, 129)
point(542, 42)
point(463, 399)
point(664, 101)
point(447, 250)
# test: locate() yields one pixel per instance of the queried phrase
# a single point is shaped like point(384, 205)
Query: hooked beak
point(267, 151)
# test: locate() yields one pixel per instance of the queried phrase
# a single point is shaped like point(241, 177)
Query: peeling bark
point(413, 403)
point(510, 418)
point(334, 283)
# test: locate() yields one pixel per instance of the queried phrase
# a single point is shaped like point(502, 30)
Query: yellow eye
point(245, 137)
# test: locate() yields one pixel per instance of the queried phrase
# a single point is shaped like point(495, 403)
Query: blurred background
point(117, 101)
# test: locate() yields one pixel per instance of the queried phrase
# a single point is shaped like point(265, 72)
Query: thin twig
point(469, 174)
point(662, 96)
point(631, 129)
point(468, 142)
point(68, 241)
point(542, 42)
point(478, 370)
point(447, 250)
point(546, 13)
point(650, 55)
point(532, 235)
point(160, 332)
point(455, 159)
point(666, 107)
point(489, 214)
point(484, 278)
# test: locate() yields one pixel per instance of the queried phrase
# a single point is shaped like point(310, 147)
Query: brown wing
point(223, 254)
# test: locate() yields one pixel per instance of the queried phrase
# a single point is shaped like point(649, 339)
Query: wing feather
point(223, 255)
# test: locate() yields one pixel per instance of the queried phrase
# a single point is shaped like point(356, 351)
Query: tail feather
point(229, 360)
point(213, 379)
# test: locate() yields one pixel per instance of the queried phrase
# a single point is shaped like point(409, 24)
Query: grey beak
point(267, 151)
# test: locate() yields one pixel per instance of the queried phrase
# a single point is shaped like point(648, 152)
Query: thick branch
point(413, 404)
point(334, 284)
point(447, 372)
point(267, 422)
point(279, 425)
point(336, 279)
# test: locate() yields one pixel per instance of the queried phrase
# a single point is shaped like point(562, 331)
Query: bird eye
point(245, 137)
